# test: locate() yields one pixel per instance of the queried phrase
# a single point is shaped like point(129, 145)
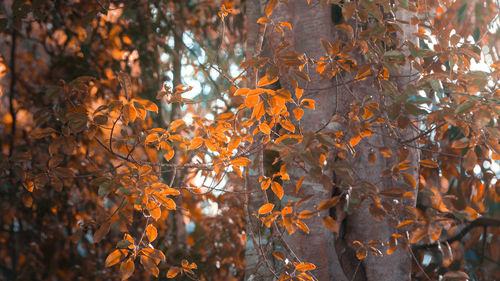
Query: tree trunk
point(334, 254)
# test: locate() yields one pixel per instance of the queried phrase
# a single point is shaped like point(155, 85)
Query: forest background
point(249, 140)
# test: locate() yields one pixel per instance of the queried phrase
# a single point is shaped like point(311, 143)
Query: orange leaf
point(409, 180)
point(195, 143)
point(242, 92)
point(305, 266)
point(149, 265)
point(264, 20)
point(308, 103)
point(252, 100)
point(151, 232)
point(270, 6)
point(429, 164)
point(361, 253)
point(174, 125)
point(287, 125)
point(173, 271)
point(277, 189)
point(299, 184)
point(263, 127)
point(286, 24)
point(266, 208)
point(331, 224)
point(328, 203)
point(127, 268)
point(165, 201)
point(242, 161)
point(265, 81)
point(114, 257)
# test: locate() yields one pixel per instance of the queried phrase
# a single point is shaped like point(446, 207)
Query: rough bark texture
point(334, 256)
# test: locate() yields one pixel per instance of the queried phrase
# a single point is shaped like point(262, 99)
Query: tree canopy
point(222, 140)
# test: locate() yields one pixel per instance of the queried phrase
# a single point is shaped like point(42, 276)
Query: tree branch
point(479, 222)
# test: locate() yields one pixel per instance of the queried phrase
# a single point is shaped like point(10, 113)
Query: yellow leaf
point(305, 266)
point(151, 232)
point(242, 161)
point(277, 189)
point(114, 257)
point(266, 208)
point(127, 268)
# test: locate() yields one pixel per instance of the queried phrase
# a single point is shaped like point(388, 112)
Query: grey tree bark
point(334, 254)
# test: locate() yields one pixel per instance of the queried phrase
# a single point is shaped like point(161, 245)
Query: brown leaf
point(328, 203)
point(101, 232)
point(331, 224)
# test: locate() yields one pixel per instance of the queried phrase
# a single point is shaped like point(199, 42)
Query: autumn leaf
point(242, 161)
point(115, 257)
point(266, 208)
point(330, 224)
point(263, 127)
point(429, 164)
point(151, 232)
point(271, 4)
point(126, 269)
point(196, 143)
point(305, 266)
point(101, 232)
point(277, 189)
point(328, 203)
point(173, 271)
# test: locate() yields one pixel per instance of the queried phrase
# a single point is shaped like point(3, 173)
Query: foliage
point(111, 165)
